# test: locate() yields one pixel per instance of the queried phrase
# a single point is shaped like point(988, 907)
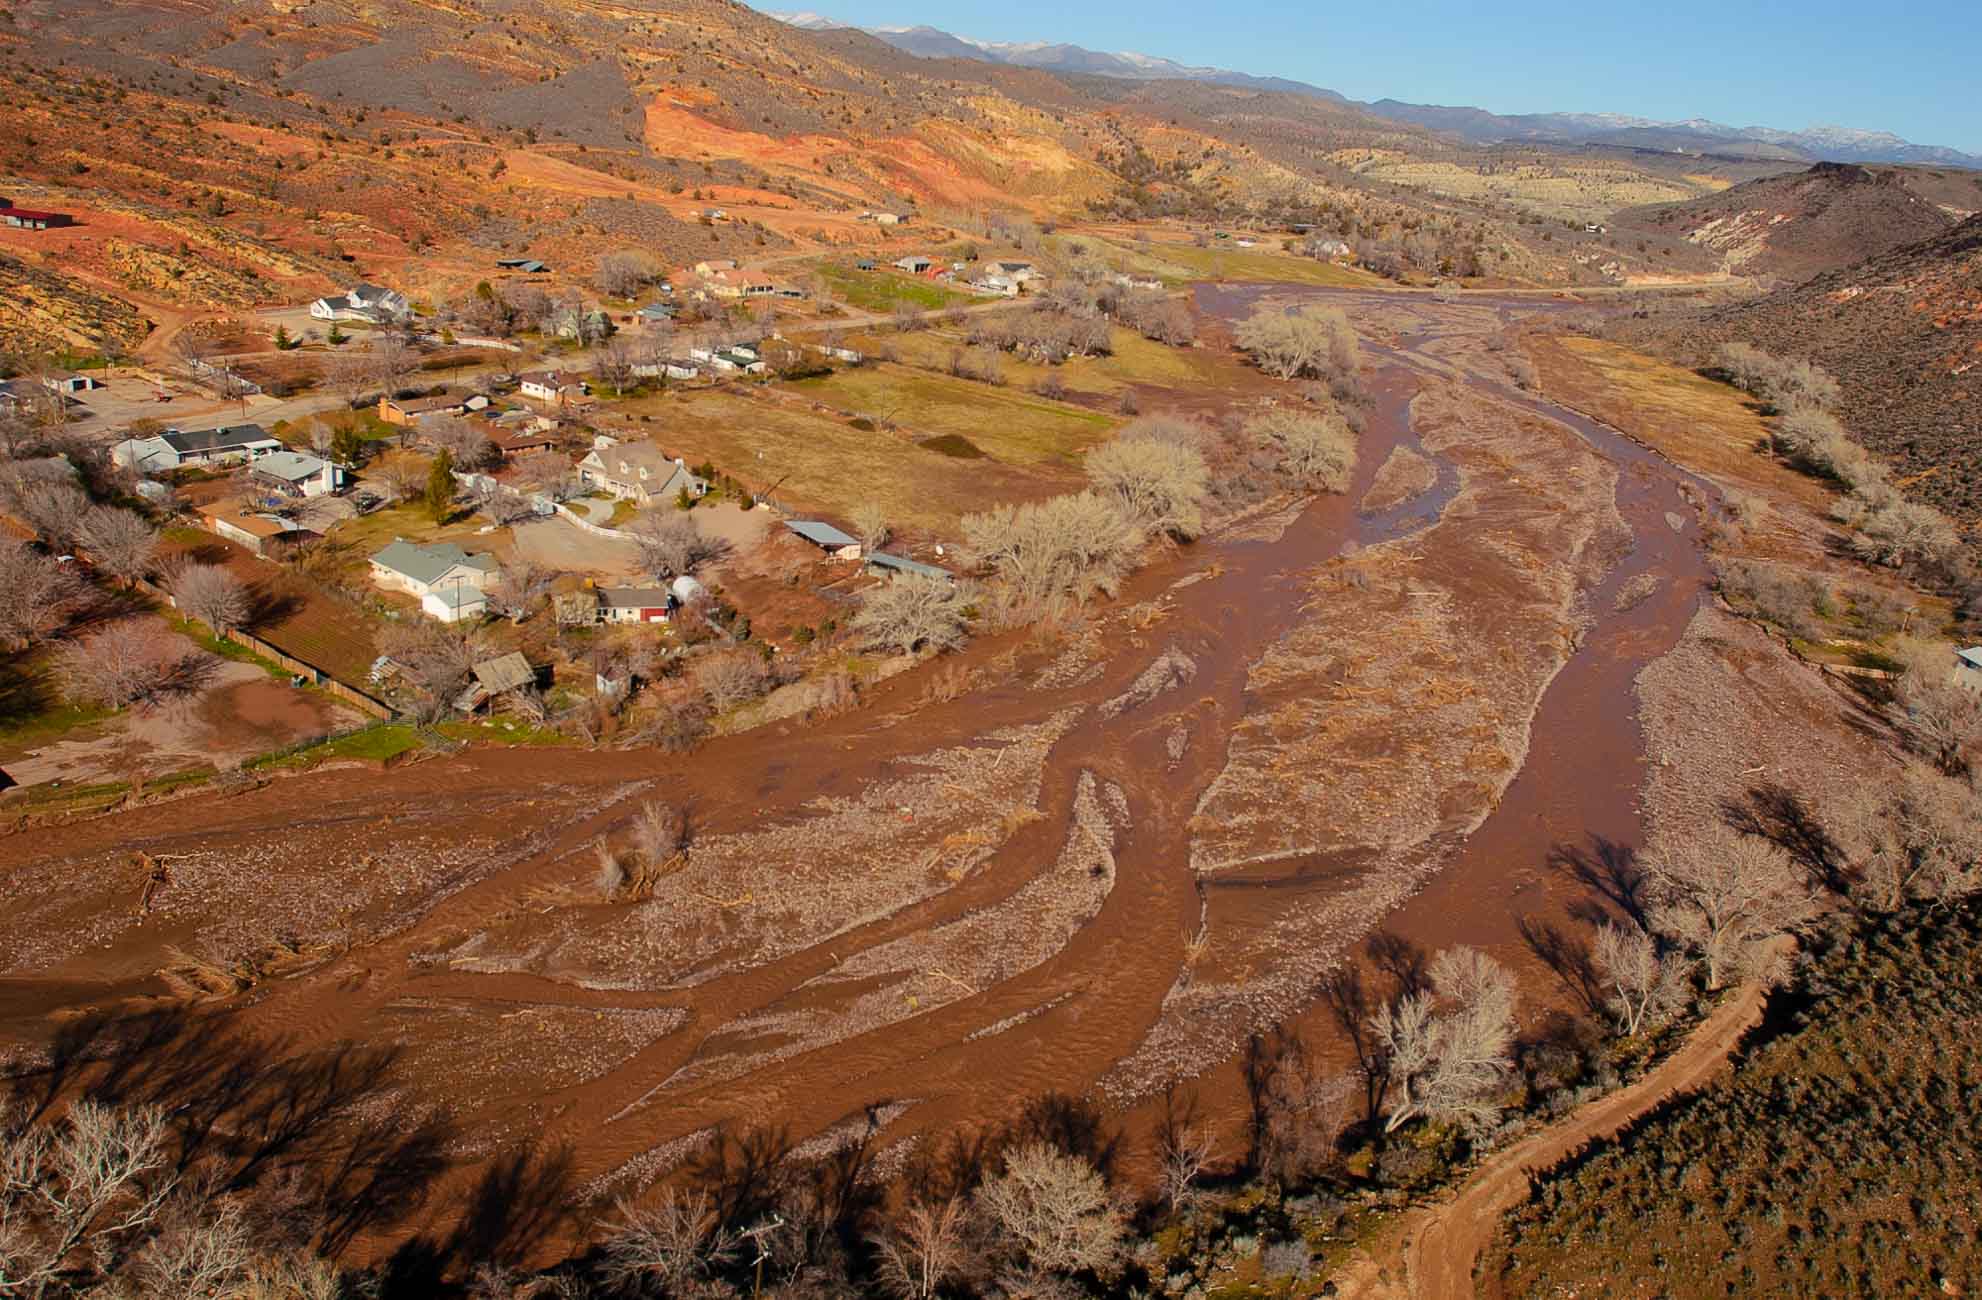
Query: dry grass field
point(1132, 360)
point(1567, 190)
point(819, 462)
point(1264, 264)
point(1704, 425)
point(1008, 424)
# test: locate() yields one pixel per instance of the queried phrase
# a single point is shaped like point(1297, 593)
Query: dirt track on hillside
point(1438, 1247)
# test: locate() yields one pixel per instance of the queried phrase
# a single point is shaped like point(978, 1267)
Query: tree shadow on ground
point(1609, 871)
point(1779, 815)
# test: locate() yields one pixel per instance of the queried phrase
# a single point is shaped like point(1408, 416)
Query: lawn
point(882, 289)
point(817, 462)
point(32, 711)
point(1184, 263)
point(377, 744)
point(1008, 424)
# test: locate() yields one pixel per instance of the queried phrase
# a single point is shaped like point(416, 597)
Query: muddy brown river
point(1127, 846)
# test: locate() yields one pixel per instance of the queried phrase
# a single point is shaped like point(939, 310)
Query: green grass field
point(1009, 424)
point(881, 289)
point(1185, 263)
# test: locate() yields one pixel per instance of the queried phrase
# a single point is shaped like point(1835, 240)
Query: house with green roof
point(451, 584)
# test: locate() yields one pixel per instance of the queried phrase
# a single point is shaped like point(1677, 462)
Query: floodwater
point(723, 1050)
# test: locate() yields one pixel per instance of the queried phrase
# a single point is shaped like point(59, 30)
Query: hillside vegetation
point(1841, 1158)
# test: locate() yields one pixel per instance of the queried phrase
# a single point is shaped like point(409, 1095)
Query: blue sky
point(1909, 67)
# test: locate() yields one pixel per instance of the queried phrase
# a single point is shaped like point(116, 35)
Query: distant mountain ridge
point(1047, 56)
point(1474, 125)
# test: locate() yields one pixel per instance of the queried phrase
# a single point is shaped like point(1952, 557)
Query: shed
point(902, 564)
point(821, 534)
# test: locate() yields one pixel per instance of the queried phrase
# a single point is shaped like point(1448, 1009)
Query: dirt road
point(1438, 1247)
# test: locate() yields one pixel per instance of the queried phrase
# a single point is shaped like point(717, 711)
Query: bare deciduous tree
point(624, 272)
point(731, 678)
point(1159, 483)
point(912, 611)
point(1646, 986)
point(660, 831)
point(522, 586)
point(1940, 717)
point(1447, 1049)
point(468, 443)
point(392, 361)
point(121, 544)
point(671, 544)
point(614, 364)
point(1316, 448)
point(1052, 1214)
point(84, 1186)
point(871, 526)
point(38, 593)
point(1724, 897)
point(131, 662)
point(213, 595)
point(1066, 546)
point(55, 509)
point(1309, 341)
point(924, 1250)
point(1920, 837)
point(436, 659)
point(670, 1246)
point(549, 473)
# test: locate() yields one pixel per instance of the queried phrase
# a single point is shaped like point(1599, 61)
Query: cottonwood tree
point(130, 662)
point(923, 1250)
point(671, 544)
point(1310, 341)
point(38, 593)
point(1917, 838)
point(1647, 986)
point(670, 1247)
point(1052, 1216)
point(1159, 483)
point(871, 526)
point(549, 473)
point(122, 544)
point(522, 586)
point(392, 361)
point(466, 442)
point(1725, 897)
point(78, 1192)
point(1069, 546)
point(55, 509)
point(731, 678)
point(213, 595)
point(913, 611)
point(1316, 448)
point(625, 272)
point(435, 659)
point(1446, 1049)
point(614, 366)
point(1940, 717)
point(350, 375)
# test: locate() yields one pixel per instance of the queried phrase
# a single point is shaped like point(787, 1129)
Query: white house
point(293, 473)
point(175, 448)
point(637, 471)
point(363, 302)
point(1003, 286)
point(452, 584)
point(635, 604)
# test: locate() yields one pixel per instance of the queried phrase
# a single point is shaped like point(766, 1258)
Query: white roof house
point(364, 302)
point(299, 474)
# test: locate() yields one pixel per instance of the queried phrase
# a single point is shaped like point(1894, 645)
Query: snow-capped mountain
point(1476, 125)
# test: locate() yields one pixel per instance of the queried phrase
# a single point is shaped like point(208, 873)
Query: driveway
point(557, 543)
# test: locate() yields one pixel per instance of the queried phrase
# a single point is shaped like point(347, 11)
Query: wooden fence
point(357, 699)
